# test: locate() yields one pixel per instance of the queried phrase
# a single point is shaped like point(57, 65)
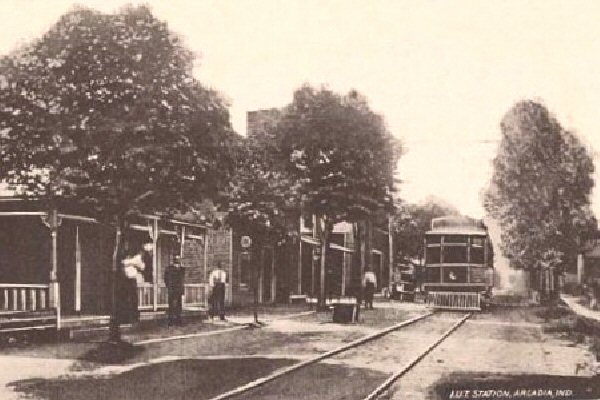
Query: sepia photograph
point(312, 200)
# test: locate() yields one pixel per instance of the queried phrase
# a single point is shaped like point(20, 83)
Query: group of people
point(134, 271)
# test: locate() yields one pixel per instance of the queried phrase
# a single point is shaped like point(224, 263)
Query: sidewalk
point(573, 303)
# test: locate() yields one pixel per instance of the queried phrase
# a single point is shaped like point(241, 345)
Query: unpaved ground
point(50, 366)
point(501, 343)
point(355, 373)
point(497, 349)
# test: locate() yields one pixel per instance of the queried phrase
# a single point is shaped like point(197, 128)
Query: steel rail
point(286, 370)
point(393, 378)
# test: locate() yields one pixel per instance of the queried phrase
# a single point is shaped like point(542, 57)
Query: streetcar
point(458, 263)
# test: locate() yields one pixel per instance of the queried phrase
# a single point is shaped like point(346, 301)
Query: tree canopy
point(103, 112)
point(341, 153)
point(540, 189)
point(263, 198)
point(342, 158)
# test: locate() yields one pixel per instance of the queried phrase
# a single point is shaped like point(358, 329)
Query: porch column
point(273, 276)
point(154, 234)
point(390, 250)
point(206, 236)
point(77, 270)
point(53, 221)
point(182, 242)
point(580, 268)
point(344, 254)
point(300, 265)
point(229, 285)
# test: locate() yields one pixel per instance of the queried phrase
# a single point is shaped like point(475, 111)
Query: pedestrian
point(370, 283)
point(217, 281)
point(174, 281)
point(128, 276)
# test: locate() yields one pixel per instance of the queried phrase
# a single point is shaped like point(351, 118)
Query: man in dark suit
point(174, 280)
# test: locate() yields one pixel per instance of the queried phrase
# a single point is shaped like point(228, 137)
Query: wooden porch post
point(273, 276)
point(155, 265)
point(77, 270)
point(390, 250)
point(53, 221)
point(229, 285)
point(343, 288)
point(300, 264)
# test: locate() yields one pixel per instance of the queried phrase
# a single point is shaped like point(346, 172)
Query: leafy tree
point(262, 200)
point(343, 157)
point(102, 114)
point(540, 190)
point(411, 221)
point(262, 196)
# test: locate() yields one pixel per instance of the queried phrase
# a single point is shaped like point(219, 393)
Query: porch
point(55, 268)
point(29, 307)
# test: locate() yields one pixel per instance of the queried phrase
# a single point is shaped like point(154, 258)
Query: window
point(455, 254)
point(455, 274)
point(433, 239)
point(432, 255)
point(455, 239)
point(245, 269)
point(478, 241)
point(432, 274)
point(477, 255)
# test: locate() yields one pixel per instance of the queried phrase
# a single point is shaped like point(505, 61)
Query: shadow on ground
point(182, 379)
point(517, 387)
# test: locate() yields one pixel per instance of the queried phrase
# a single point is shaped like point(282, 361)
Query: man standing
point(174, 280)
point(370, 283)
point(217, 281)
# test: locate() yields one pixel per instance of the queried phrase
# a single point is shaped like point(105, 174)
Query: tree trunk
point(324, 232)
point(115, 331)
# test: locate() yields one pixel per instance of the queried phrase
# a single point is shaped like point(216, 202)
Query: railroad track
point(357, 345)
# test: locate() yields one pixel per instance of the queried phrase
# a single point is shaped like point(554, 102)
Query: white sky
point(442, 72)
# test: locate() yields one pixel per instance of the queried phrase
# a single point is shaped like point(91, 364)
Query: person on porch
point(174, 280)
point(217, 281)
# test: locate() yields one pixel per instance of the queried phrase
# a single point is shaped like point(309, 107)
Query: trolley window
point(477, 255)
point(432, 274)
point(433, 255)
point(433, 239)
point(455, 254)
point(477, 241)
point(455, 275)
point(455, 239)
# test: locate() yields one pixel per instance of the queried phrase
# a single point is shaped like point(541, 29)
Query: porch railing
point(194, 296)
point(19, 297)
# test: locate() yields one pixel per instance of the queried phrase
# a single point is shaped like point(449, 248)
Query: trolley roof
point(457, 225)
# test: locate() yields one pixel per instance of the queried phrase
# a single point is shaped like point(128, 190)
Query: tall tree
point(540, 189)
point(103, 114)
point(343, 157)
point(263, 201)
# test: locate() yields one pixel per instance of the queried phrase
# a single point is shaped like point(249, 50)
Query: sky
point(442, 73)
